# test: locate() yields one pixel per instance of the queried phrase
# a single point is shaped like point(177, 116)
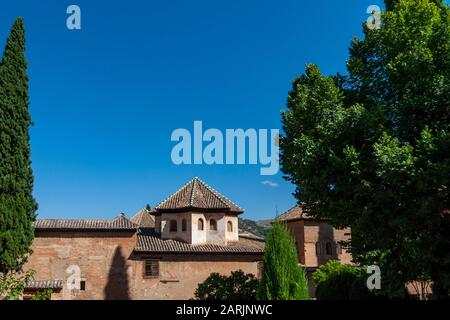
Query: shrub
point(237, 286)
point(336, 281)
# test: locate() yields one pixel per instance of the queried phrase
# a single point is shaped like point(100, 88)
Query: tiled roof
point(118, 223)
point(250, 235)
point(44, 284)
point(197, 195)
point(293, 214)
point(144, 219)
point(150, 241)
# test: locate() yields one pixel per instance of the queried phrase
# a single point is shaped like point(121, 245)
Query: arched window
point(318, 251)
point(328, 249)
point(230, 226)
point(183, 225)
point(213, 225)
point(173, 226)
point(200, 224)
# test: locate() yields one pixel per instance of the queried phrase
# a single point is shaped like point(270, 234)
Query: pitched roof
point(150, 241)
point(120, 223)
point(294, 213)
point(44, 284)
point(197, 195)
point(144, 219)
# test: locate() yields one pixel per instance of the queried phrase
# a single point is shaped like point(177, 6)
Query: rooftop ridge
point(191, 199)
point(173, 194)
point(217, 194)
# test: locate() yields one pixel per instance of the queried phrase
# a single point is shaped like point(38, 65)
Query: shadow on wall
point(117, 287)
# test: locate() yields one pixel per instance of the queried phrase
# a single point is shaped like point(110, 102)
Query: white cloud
point(270, 183)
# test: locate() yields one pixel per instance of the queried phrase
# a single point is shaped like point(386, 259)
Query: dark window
point(328, 249)
point(230, 226)
point(151, 268)
point(82, 285)
point(173, 226)
point(213, 225)
point(338, 248)
point(318, 251)
point(200, 224)
point(183, 225)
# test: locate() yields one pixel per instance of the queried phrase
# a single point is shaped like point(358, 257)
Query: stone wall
point(111, 270)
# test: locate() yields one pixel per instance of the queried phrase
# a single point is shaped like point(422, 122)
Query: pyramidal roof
point(294, 213)
point(197, 195)
point(144, 219)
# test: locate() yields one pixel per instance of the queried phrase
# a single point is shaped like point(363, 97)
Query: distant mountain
point(259, 228)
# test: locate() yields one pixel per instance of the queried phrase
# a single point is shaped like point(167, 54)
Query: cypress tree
point(17, 205)
point(282, 277)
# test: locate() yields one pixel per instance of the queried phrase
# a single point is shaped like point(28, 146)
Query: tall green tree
point(17, 205)
point(371, 150)
point(282, 277)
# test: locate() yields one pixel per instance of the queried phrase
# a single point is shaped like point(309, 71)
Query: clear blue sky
point(106, 99)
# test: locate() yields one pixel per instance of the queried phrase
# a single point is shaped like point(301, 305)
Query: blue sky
point(105, 99)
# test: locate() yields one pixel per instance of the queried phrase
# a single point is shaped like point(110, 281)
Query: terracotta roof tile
point(197, 195)
point(144, 219)
point(118, 223)
point(150, 241)
point(293, 214)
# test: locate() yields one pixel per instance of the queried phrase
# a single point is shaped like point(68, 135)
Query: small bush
point(237, 286)
point(336, 281)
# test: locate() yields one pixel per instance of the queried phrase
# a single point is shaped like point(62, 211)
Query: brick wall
point(111, 270)
point(101, 257)
point(312, 237)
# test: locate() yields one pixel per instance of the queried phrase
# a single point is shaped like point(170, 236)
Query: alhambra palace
point(165, 252)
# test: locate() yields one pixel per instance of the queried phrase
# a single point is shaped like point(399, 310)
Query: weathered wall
point(180, 275)
point(296, 228)
point(101, 256)
point(308, 233)
point(111, 271)
point(322, 233)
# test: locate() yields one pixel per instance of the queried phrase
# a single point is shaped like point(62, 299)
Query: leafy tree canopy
point(371, 150)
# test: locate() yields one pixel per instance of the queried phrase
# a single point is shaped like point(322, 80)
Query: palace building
point(165, 252)
point(316, 241)
point(162, 253)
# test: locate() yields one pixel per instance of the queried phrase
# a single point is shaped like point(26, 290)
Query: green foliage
point(12, 285)
point(17, 206)
point(371, 150)
point(43, 295)
point(336, 281)
point(237, 286)
point(282, 277)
